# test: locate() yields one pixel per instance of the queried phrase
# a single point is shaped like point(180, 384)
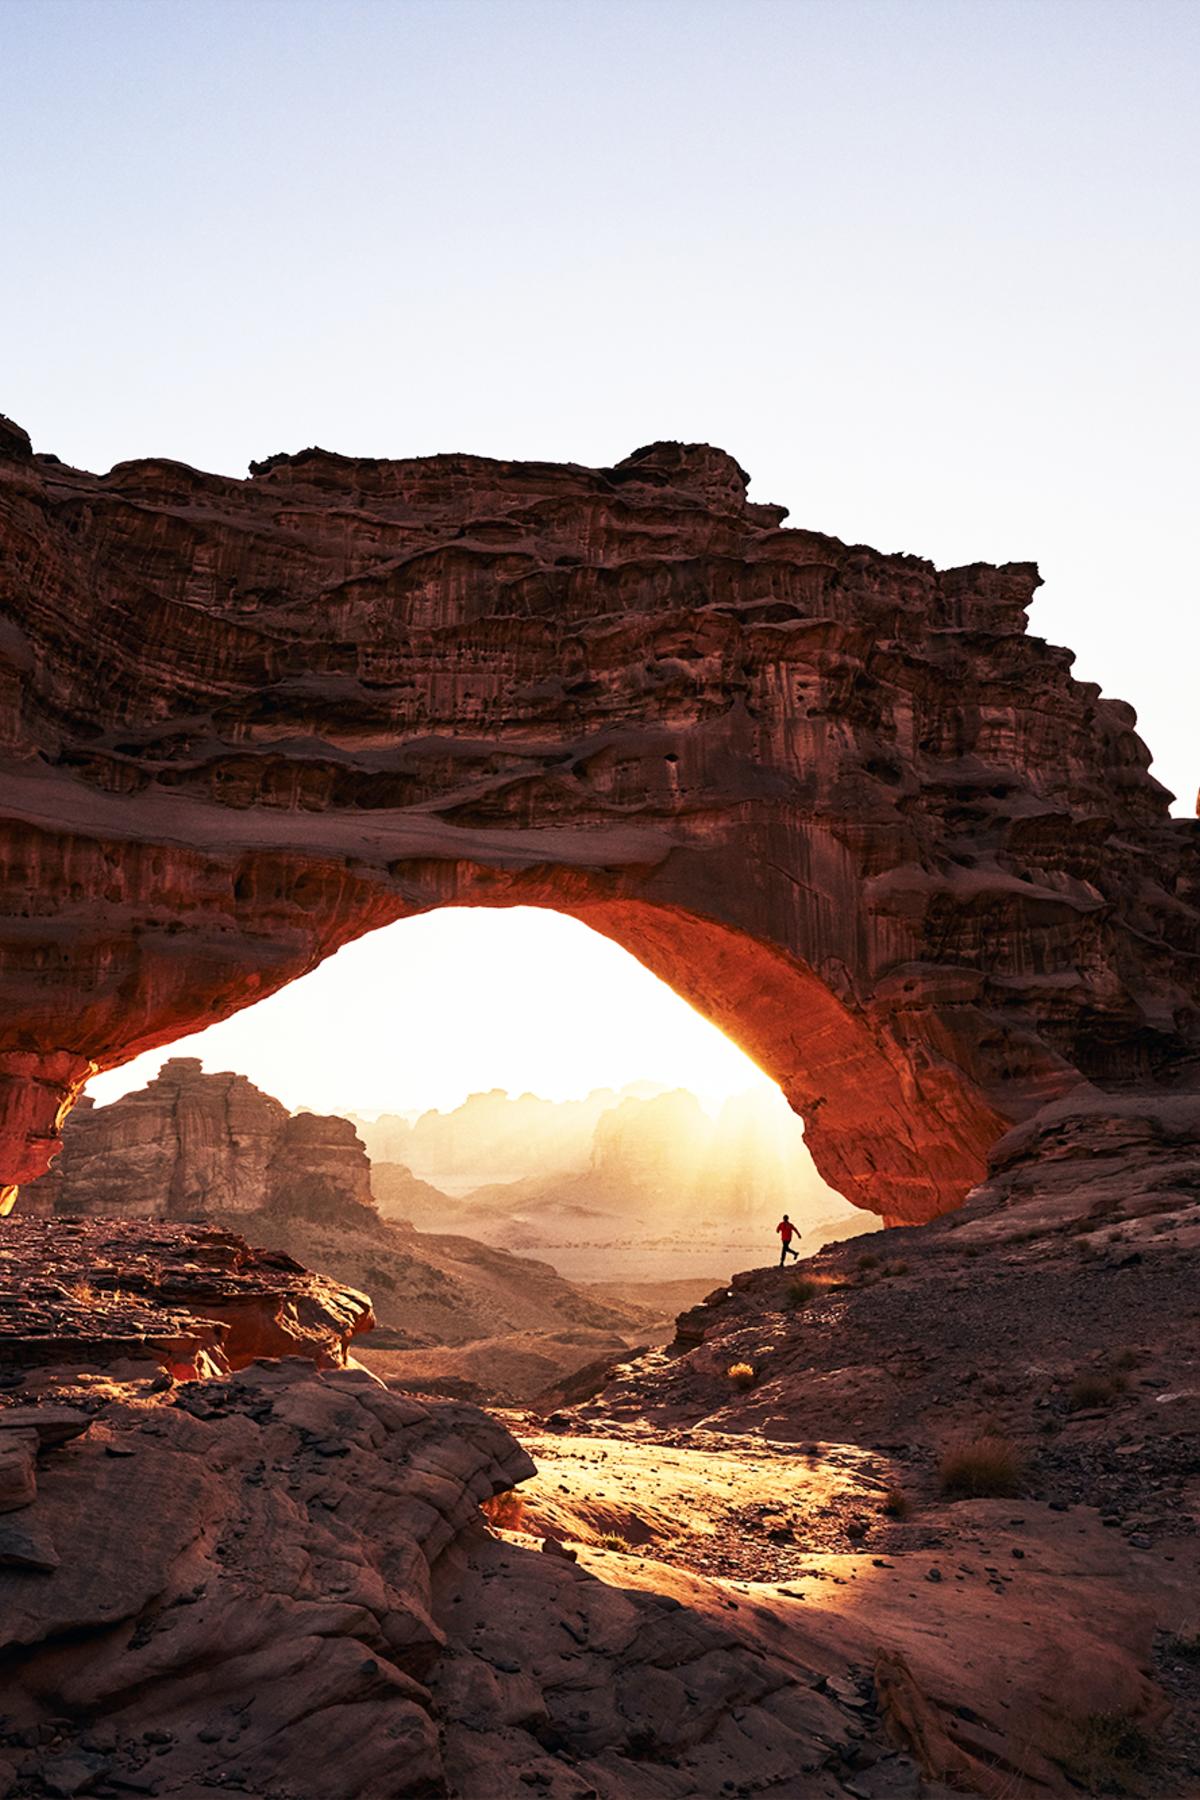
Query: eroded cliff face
point(191, 1146)
point(840, 800)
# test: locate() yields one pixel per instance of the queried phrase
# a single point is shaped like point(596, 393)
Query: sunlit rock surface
point(312, 1606)
point(839, 799)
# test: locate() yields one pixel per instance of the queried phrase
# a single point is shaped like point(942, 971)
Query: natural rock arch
point(840, 800)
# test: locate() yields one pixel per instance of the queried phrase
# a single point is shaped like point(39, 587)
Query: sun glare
point(424, 1012)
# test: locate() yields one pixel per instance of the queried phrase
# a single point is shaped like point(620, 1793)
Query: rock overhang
point(838, 799)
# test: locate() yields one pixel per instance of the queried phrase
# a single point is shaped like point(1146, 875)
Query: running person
point(787, 1231)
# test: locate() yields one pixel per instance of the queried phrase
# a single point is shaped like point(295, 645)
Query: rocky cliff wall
point(841, 800)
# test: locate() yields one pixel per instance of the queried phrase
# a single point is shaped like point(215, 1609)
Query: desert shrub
point(869, 1260)
point(742, 1375)
point(612, 1540)
point(896, 1504)
point(1186, 1644)
point(1106, 1753)
point(505, 1510)
point(1126, 1359)
point(804, 1289)
point(982, 1467)
point(1094, 1389)
point(896, 1268)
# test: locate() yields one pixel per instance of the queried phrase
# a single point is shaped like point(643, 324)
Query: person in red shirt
point(787, 1231)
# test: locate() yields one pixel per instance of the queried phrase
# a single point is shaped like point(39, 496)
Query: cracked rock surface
point(280, 1583)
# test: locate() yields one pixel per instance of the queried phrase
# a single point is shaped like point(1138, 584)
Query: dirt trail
point(789, 1453)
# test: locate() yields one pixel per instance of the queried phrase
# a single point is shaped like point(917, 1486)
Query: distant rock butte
point(839, 800)
point(190, 1145)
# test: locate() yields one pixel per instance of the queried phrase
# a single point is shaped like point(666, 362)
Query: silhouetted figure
point(787, 1231)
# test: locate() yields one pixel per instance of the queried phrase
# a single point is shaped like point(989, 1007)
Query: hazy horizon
point(638, 1087)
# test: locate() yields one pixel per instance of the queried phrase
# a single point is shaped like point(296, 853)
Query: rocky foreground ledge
point(196, 1300)
point(280, 1583)
point(777, 1581)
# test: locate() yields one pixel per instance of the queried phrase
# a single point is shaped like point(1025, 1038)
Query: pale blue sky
point(929, 270)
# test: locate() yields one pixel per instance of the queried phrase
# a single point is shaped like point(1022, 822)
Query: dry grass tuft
point(742, 1375)
point(612, 1540)
point(896, 1503)
point(980, 1468)
point(806, 1288)
point(869, 1260)
point(505, 1511)
point(1094, 1389)
point(1106, 1753)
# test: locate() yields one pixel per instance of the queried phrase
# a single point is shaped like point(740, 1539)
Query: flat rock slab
point(50, 1424)
point(27, 1545)
point(194, 1299)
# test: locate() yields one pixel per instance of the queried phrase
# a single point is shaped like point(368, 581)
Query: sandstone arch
point(839, 799)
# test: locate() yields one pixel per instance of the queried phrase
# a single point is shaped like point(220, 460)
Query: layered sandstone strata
point(190, 1145)
point(841, 800)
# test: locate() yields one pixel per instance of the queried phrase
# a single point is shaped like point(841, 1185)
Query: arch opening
point(445, 1092)
point(866, 1121)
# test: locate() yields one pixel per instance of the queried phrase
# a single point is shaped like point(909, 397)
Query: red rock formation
point(191, 1145)
point(335, 1630)
point(840, 800)
point(213, 1148)
point(197, 1300)
point(309, 1604)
